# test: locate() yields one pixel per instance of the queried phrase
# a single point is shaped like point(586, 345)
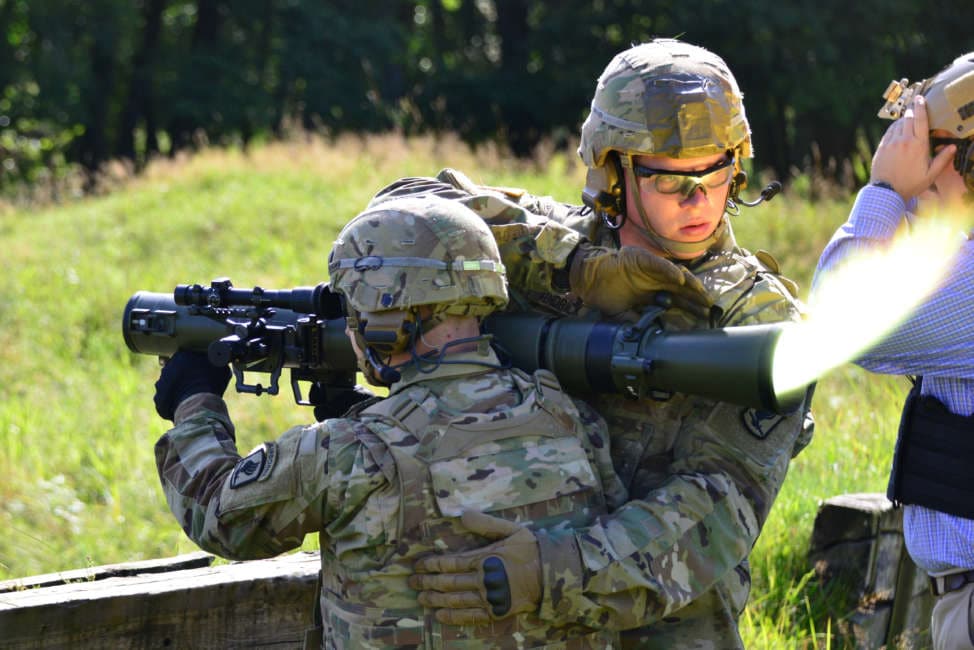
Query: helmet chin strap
point(381, 371)
point(670, 246)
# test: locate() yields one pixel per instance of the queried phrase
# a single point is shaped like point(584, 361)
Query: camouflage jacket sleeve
point(702, 476)
point(263, 504)
point(596, 444)
point(534, 242)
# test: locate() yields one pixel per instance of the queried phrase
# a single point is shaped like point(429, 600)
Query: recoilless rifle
point(303, 329)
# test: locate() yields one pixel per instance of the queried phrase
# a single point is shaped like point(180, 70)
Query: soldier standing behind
point(390, 480)
point(664, 144)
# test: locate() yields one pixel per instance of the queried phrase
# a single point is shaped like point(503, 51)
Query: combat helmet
point(950, 107)
point(664, 97)
point(405, 264)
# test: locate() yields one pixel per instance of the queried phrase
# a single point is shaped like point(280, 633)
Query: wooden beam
point(264, 603)
point(188, 561)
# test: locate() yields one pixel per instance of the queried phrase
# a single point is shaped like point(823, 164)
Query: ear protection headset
point(387, 332)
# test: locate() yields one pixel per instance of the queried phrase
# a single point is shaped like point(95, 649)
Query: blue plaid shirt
point(937, 342)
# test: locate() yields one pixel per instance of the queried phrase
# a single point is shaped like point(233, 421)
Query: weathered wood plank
point(159, 565)
point(858, 540)
point(260, 604)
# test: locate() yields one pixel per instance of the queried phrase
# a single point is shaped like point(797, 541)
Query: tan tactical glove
point(628, 278)
point(486, 584)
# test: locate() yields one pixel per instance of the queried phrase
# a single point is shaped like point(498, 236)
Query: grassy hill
point(77, 480)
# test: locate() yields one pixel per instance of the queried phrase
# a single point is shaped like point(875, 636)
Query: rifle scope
point(252, 330)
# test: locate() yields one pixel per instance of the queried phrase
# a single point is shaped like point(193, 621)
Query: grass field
point(78, 485)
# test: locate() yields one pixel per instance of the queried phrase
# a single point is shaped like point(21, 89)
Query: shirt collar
point(460, 364)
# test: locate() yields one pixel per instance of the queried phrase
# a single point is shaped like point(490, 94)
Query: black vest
point(933, 465)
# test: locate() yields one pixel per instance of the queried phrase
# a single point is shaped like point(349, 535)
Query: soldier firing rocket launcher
point(303, 329)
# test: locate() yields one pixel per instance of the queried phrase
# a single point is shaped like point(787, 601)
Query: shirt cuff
point(562, 580)
point(196, 404)
point(877, 212)
point(556, 242)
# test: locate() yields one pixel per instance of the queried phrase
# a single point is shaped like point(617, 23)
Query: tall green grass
point(78, 485)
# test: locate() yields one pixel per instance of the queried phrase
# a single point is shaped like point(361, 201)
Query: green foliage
point(77, 425)
point(84, 83)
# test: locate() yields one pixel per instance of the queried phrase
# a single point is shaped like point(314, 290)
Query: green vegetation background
point(83, 82)
point(78, 485)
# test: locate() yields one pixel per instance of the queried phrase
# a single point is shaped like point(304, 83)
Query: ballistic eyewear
point(668, 181)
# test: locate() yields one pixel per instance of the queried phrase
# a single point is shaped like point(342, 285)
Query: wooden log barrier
point(183, 602)
point(858, 541)
point(187, 602)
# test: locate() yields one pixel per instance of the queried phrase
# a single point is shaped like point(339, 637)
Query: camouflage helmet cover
point(408, 252)
point(665, 97)
point(949, 95)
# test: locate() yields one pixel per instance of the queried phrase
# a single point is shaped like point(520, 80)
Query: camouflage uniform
point(386, 483)
point(670, 566)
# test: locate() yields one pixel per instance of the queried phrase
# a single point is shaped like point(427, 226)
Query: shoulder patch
point(255, 467)
point(760, 423)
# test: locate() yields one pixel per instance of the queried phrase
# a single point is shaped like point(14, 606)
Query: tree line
point(88, 81)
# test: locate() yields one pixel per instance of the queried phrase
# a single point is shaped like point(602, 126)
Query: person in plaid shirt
point(929, 147)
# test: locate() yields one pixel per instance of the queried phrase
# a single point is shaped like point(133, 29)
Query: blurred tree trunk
point(394, 72)
point(517, 118)
point(6, 50)
point(265, 62)
point(102, 52)
point(140, 103)
point(204, 42)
